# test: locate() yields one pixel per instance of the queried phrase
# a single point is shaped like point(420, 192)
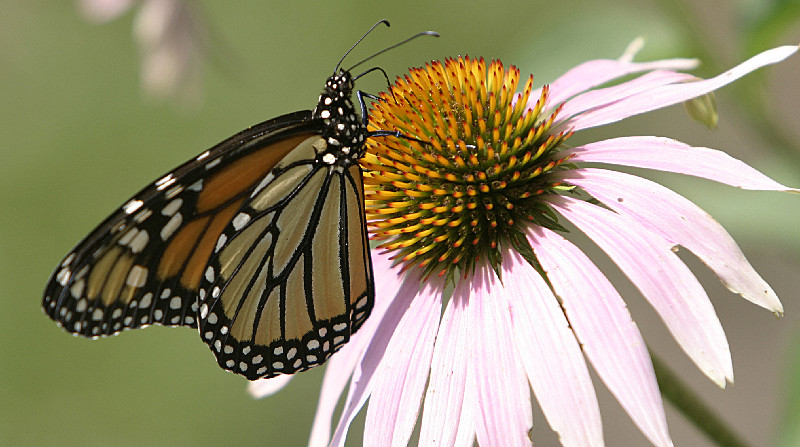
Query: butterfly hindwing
point(291, 277)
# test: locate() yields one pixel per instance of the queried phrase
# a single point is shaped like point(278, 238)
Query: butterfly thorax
point(344, 130)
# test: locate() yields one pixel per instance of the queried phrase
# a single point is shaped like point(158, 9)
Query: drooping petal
point(605, 329)
point(679, 221)
point(665, 154)
point(663, 279)
point(399, 382)
point(361, 384)
point(550, 354)
point(504, 414)
point(597, 72)
point(452, 353)
point(341, 366)
point(267, 387)
point(660, 97)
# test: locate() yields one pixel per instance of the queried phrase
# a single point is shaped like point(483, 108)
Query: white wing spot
point(63, 276)
point(68, 260)
point(97, 315)
point(147, 299)
point(173, 224)
point(204, 311)
point(128, 236)
point(213, 163)
point(196, 186)
point(142, 215)
point(210, 274)
point(240, 221)
point(329, 158)
point(313, 344)
point(165, 181)
point(203, 155)
point(158, 314)
point(77, 288)
point(139, 243)
point(132, 206)
point(137, 277)
point(325, 114)
point(172, 207)
point(175, 302)
point(257, 359)
point(220, 242)
point(212, 318)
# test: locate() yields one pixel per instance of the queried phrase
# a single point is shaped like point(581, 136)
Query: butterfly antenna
point(384, 21)
point(424, 33)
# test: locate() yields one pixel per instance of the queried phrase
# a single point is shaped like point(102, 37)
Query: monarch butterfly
point(259, 243)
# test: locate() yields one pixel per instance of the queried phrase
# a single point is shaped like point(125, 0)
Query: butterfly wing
point(143, 265)
point(291, 277)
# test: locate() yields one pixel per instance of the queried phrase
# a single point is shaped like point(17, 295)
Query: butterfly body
point(259, 243)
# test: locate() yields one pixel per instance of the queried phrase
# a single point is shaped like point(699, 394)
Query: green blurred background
point(78, 137)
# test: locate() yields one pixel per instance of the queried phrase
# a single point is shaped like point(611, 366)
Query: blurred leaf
point(765, 26)
point(789, 435)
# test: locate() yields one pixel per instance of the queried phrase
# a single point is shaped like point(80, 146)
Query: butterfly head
point(345, 131)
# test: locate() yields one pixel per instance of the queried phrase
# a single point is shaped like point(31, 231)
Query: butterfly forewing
point(144, 263)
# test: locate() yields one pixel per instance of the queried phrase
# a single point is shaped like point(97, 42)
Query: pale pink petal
point(342, 365)
point(663, 279)
point(597, 72)
point(667, 95)
point(605, 329)
point(504, 414)
point(465, 436)
point(665, 154)
point(601, 97)
point(452, 353)
point(362, 382)
point(679, 221)
point(550, 354)
point(267, 387)
point(399, 383)
point(101, 11)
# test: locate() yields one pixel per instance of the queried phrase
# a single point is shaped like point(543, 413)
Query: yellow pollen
point(483, 159)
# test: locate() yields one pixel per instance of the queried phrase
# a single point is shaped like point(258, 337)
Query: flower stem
point(687, 402)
